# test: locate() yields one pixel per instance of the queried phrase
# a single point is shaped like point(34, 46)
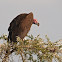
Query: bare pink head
point(35, 22)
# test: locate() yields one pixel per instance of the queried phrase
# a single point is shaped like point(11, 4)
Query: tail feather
point(10, 36)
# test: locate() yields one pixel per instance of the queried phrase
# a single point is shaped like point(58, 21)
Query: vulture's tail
point(10, 36)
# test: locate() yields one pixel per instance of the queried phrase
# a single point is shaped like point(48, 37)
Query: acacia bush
point(45, 51)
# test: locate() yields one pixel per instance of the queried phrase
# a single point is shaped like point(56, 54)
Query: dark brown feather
point(20, 26)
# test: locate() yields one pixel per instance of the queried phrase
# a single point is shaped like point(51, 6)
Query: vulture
point(20, 26)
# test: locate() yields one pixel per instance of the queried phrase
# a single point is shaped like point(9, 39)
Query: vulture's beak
point(35, 22)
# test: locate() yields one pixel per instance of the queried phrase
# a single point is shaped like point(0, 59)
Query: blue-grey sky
point(47, 12)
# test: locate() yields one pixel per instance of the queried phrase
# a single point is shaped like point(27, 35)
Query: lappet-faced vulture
point(20, 26)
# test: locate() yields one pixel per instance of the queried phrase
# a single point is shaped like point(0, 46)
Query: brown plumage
point(20, 26)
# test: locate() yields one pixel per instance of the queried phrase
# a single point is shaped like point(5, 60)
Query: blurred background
point(47, 12)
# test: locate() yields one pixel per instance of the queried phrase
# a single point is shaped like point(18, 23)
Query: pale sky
point(47, 12)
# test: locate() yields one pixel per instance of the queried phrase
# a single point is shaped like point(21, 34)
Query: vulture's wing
point(15, 22)
point(20, 26)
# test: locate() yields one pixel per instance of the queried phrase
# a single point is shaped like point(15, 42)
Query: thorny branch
point(45, 51)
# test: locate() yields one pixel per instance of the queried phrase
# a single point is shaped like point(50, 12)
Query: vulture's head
point(35, 22)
